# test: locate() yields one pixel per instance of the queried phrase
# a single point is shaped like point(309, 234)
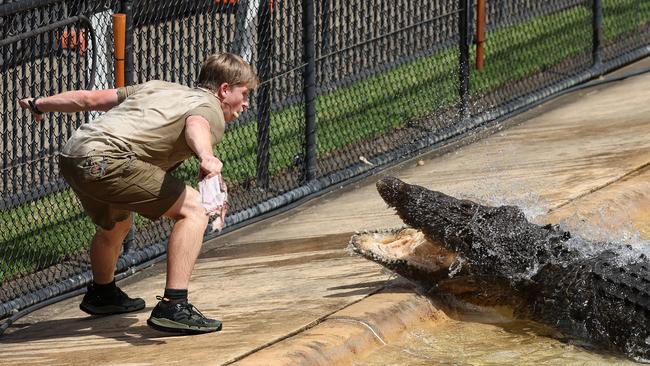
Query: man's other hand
point(26, 103)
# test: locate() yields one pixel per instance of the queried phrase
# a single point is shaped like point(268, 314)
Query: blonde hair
point(228, 68)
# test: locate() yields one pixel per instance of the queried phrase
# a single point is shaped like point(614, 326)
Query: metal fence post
point(463, 60)
point(5, 125)
point(309, 87)
point(264, 51)
point(480, 34)
point(127, 9)
point(597, 35)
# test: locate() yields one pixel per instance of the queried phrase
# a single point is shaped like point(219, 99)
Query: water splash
point(592, 290)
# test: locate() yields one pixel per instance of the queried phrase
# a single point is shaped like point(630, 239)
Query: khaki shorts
point(110, 187)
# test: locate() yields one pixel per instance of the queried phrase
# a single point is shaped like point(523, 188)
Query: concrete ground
point(289, 293)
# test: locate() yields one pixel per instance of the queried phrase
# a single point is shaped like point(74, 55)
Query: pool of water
point(486, 338)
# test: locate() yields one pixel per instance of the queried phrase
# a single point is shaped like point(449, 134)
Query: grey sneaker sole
point(167, 325)
point(109, 309)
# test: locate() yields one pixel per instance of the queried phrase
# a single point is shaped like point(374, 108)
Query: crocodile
point(597, 292)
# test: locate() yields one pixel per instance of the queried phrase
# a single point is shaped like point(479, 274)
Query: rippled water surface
point(466, 342)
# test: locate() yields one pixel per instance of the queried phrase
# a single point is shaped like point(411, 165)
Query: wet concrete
point(619, 210)
point(289, 293)
point(260, 294)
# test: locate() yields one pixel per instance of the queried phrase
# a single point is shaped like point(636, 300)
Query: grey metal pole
point(5, 124)
point(309, 87)
point(597, 33)
point(264, 51)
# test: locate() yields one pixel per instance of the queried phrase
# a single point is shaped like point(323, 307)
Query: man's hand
point(209, 166)
point(27, 103)
point(214, 199)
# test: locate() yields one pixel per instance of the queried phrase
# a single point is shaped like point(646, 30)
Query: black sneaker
point(114, 302)
point(180, 317)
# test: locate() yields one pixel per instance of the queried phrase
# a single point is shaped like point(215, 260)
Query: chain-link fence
point(347, 87)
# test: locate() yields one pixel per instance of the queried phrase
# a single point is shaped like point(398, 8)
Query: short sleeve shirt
point(149, 123)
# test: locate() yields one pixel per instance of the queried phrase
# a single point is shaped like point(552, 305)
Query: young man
point(120, 163)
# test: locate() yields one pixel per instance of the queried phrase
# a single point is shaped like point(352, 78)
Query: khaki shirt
point(149, 123)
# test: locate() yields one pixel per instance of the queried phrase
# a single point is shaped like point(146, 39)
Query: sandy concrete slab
point(353, 332)
point(619, 211)
point(260, 295)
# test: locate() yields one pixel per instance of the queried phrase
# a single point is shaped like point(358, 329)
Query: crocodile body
point(601, 295)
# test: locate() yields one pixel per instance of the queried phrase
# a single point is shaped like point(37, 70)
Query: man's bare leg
point(103, 296)
point(174, 313)
point(186, 238)
point(105, 250)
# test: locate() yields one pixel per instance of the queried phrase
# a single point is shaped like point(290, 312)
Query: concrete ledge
point(353, 332)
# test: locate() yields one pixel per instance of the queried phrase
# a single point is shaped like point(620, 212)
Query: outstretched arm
point(70, 102)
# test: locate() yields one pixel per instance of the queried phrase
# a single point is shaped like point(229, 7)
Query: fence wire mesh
point(626, 26)
point(46, 48)
point(346, 87)
point(531, 46)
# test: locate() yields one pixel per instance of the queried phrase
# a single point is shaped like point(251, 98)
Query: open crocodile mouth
point(409, 253)
point(403, 247)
